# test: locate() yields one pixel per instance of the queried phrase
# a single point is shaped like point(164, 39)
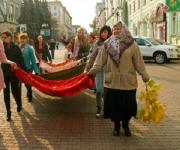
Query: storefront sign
point(174, 5)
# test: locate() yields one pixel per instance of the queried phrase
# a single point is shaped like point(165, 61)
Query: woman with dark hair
point(104, 34)
point(121, 59)
point(42, 51)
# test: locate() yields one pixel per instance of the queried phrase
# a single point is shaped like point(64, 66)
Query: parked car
point(154, 49)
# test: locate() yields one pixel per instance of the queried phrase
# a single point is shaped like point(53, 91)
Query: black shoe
point(19, 108)
point(127, 131)
point(30, 99)
point(29, 96)
point(116, 132)
point(9, 117)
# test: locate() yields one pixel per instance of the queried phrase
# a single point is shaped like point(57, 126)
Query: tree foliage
point(34, 13)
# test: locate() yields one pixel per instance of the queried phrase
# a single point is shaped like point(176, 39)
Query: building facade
point(9, 14)
point(100, 15)
point(74, 29)
point(116, 10)
point(158, 19)
point(62, 19)
point(67, 25)
point(147, 18)
point(173, 22)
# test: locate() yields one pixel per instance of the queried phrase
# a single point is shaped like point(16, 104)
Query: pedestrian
point(81, 47)
point(121, 59)
point(52, 47)
point(14, 54)
point(29, 61)
point(105, 33)
point(57, 45)
point(91, 40)
point(42, 51)
point(4, 60)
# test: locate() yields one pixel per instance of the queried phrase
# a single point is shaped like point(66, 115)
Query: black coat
point(45, 52)
point(13, 53)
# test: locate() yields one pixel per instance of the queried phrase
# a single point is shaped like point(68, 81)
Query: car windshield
point(154, 42)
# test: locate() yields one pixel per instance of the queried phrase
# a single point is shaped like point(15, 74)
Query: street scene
point(104, 79)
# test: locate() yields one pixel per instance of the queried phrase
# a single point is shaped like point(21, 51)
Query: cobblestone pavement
point(70, 124)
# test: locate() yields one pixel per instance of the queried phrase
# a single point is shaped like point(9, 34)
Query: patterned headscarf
point(116, 45)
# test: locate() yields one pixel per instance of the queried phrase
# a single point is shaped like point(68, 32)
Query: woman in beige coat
point(3, 59)
point(121, 59)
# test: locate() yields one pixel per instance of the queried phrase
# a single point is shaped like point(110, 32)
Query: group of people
point(113, 58)
point(25, 54)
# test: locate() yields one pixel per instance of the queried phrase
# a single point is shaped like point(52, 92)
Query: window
point(139, 4)
point(134, 6)
point(141, 42)
point(130, 9)
point(11, 9)
point(55, 14)
point(144, 2)
point(5, 5)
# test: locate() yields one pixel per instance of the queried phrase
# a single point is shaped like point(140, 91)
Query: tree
point(34, 13)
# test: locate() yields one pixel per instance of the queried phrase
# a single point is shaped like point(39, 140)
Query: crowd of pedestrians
point(113, 57)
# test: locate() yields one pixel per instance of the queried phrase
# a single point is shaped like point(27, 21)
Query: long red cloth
point(59, 88)
point(50, 68)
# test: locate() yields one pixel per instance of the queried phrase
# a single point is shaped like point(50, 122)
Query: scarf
point(116, 45)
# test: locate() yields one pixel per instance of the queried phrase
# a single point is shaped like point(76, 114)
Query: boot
point(127, 131)
point(117, 127)
point(9, 116)
point(19, 108)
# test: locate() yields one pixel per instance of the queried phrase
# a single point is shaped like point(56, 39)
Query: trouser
point(52, 53)
point(99, 90)
point(29, 91)
point(15, 85)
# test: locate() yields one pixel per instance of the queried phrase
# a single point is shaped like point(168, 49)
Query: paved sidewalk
point(69, 123)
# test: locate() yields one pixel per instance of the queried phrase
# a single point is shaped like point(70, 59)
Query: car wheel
point(160, 58)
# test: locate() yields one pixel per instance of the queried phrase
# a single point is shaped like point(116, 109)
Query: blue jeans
point(99, 81)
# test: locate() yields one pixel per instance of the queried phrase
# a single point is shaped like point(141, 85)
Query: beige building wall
point(115, 11)
point(63, 18)
point(9, 14)
point(143, 20)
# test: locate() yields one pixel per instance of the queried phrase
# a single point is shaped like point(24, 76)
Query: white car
point(154, 49)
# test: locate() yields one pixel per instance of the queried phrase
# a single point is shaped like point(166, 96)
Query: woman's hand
point(13, 65)
point(145, 79)
point(85, 72)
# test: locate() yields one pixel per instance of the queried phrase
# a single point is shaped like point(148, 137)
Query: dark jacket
point(52, 45)
point(14, 54)
point(44, 53)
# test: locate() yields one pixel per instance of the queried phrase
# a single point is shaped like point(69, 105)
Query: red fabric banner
point(50, 68)
point(59, 88)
